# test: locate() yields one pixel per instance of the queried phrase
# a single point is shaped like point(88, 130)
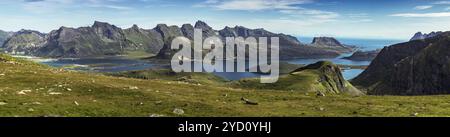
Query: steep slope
point(419, 67)
point(168, 33)
point(4, 36)
point(143, 40)
point(321, 77)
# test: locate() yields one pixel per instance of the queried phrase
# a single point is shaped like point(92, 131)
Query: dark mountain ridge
point(105, 39)
point(419, 67)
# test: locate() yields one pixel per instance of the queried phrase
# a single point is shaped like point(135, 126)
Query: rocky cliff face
point(326, 41)
point(4, 36)
point(419, 67)
point(143, 40)
point(97, 40)
point(24, 42)
point(420, 35)
point(330, 78)
point(363, 55)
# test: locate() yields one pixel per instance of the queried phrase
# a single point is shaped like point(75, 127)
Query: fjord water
point(120, 63)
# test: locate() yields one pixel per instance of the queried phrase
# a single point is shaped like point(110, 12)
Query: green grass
point(100, 95)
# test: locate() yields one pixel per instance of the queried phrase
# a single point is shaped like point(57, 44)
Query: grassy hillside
point(29, 89)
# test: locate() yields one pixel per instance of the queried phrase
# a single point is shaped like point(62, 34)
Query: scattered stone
point(156, 115)
point(133, 88)
point(21, 93)
point(36, 103)
point(26, 91)
point(2, 74)
point(54, 93)
point(321, 109)
point(320, 94)
point(178, 111)
point(30, 110)
point(68, 89)
point(76, 103)
point(415, 114)
point(3, 103)
point(158, 102)
point(249, 102)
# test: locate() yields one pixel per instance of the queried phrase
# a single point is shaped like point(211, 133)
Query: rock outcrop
point(419, 67)
point(330, 43)
point(363, 55)
point(420, 35)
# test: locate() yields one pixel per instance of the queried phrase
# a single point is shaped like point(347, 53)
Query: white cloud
point(289, 9)
point(423, 7)
point(423, 15)
point(441, 2)
point(252, 5)
point(301, 12)
point(110, 7)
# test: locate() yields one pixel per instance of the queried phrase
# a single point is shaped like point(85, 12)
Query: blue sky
point(377, 19)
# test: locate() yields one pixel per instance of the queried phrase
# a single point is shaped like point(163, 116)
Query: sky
point(374, 19)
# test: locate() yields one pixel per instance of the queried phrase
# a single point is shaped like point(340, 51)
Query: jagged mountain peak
point(326, 41)
point(26, 31)
point(419, 35)
point(101, 24)
point(202, 25)
point(135, 27)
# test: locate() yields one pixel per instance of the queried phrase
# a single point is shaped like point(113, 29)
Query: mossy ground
point(29, 89)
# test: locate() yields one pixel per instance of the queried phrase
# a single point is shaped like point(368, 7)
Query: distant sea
point(364, 44)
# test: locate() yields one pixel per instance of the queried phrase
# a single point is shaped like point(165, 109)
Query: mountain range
point(105, 39)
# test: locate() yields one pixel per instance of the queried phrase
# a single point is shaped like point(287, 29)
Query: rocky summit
point(331, 43)
point(419, 67)
point(420, 35)
point(105, 39)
